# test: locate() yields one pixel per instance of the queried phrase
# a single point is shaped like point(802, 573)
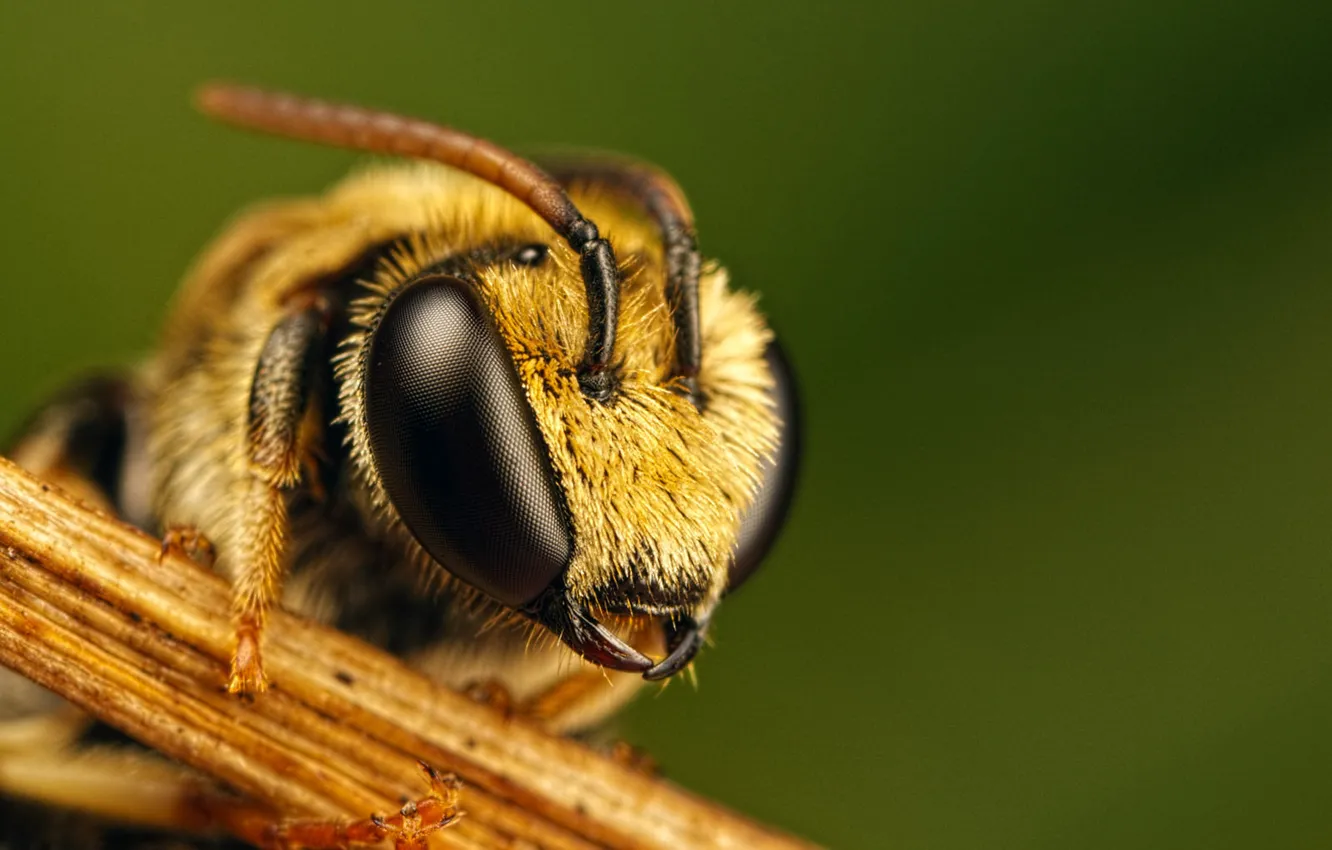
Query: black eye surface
point(457, 446)
point(531, 255)
point(777, 478)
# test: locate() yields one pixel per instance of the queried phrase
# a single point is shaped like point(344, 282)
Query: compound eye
point(777, 478)
point(456, 444)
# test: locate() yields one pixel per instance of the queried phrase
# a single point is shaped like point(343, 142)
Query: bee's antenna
point(662, 199)
point(347, 126)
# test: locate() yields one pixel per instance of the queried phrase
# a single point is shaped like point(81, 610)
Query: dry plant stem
point(87, 609)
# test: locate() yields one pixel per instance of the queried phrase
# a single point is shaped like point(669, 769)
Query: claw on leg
point(634, 758)
point(188, 541)
point(247, 664)
point(493, 693)
point(410, 828)
point(413, 825)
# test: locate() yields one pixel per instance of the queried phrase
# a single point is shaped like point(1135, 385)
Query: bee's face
point(468, 419)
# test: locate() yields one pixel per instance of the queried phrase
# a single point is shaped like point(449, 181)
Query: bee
point(492, 415)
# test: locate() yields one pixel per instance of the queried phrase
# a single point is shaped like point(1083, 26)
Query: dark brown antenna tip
point(346, 126)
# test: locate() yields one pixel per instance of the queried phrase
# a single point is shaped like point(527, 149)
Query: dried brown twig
point(87, 610)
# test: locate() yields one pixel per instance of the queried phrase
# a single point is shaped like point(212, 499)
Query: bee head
point(582, 513)
point(580, 446)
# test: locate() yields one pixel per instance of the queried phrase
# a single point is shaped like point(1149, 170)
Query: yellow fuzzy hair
point(652, 484)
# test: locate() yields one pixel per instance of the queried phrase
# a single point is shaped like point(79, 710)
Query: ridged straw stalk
point(87, 610)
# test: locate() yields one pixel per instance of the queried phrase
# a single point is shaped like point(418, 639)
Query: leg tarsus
point(188, 541)
point(247, 663)
point(492, 693)
point(409, 829)
point(635, 758)
point(416, 821)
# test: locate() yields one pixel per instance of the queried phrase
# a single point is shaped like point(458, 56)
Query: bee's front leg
point(277, 444)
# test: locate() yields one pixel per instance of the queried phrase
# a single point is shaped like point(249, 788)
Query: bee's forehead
point(542, 313)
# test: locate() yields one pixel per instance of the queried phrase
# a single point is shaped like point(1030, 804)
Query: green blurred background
point(1057, 280)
